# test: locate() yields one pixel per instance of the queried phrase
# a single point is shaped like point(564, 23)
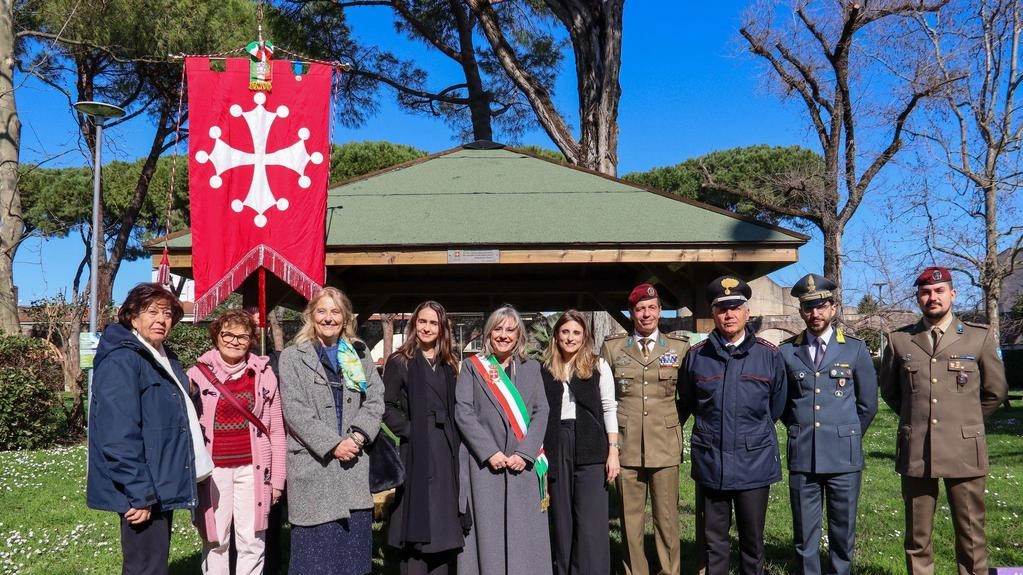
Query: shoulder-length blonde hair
point(498, 317)
point(444, 346)
point(308, 331)
point(583, 361)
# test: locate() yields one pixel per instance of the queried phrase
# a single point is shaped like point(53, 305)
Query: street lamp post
point(880, 317)
point(100, 112)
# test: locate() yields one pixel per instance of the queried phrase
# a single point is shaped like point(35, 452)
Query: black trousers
point(750, 515)
point(272, 564)
point(578, 512)
point(146, 548)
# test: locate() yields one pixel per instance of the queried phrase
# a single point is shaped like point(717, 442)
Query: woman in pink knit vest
point(248, 449)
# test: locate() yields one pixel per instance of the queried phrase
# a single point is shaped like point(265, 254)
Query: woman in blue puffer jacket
point(145, 445)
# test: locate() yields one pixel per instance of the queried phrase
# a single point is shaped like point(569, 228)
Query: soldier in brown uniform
point(943, 376)
point(645, 365)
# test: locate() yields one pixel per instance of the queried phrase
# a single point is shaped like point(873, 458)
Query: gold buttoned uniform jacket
point(942, 397)
point(648, 426)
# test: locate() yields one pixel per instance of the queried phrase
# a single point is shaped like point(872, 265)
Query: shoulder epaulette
point(794, 340)
point(615, 336)
point(975, 324)
point(841, 335)
point(700, 344)
point(766, 343)
point(679, 335)
point(911, 328)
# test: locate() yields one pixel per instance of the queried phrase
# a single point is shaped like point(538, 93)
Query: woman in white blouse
point(582, 446)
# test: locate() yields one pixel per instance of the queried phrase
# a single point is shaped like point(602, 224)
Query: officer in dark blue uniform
point(832, 400)
point(734, 384)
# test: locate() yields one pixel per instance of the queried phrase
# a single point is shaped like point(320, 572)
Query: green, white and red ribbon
point(496, 379)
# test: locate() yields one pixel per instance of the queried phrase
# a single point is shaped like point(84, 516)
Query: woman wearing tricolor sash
point(501, 411)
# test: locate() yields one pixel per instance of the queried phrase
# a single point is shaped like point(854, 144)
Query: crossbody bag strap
point(230, 397)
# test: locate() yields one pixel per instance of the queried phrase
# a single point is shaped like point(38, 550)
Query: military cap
point(933, 275)
point(640, 293)
point(728, 291)
point(813, 291)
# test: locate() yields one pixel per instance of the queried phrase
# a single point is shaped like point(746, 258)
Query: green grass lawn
point(45, 527)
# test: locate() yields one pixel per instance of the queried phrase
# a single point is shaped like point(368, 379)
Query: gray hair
point(498, 317)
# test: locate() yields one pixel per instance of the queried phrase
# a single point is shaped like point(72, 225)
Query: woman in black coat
point(582, 445)
point(419, 397)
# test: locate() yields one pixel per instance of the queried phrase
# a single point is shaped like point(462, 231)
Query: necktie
point(645, 343)
point(730, 348)
point(935, 338)
point(818, 356)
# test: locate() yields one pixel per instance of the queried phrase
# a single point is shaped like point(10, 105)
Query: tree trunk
point(992, 273)
point(109, 266)
point(597, 42)
point(387, 325)
point(73, 371)
point(595, 30)
point(276, 331)
point(833, 255)
point(603, 326)
point(479, 101)
point(11, 223)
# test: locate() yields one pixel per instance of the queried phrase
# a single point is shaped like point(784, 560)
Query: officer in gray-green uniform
point(645, 365)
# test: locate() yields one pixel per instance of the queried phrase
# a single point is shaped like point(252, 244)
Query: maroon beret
point(933, 275)
point(640, 293)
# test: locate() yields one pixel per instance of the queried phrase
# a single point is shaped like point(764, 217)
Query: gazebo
point(483, 224)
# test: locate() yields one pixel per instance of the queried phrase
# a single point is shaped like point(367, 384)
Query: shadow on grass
point(187, 565)
point(884, 455)
point(1005, 421)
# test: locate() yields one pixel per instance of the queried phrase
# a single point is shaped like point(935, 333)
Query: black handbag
point(386, 471)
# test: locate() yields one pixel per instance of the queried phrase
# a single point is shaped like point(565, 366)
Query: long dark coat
point(419, 407)
point(509, 535)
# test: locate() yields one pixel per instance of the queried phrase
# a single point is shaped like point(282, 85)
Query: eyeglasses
point(235, 337)
point(155, 311)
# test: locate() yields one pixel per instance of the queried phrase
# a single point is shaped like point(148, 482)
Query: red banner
point(258, 164)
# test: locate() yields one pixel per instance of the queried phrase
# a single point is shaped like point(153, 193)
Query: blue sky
point(688, 88)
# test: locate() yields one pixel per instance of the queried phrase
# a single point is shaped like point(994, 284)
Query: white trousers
point(234, 501)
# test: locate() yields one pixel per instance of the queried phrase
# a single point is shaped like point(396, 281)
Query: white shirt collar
point(826, 336)
point(656, 335)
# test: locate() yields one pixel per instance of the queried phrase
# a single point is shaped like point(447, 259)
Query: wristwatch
point(614, 444)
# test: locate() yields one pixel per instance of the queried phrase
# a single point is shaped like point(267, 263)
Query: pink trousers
point(234, 502)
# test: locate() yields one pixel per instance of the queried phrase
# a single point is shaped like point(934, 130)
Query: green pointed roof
point(507, 197)
point(482, 224)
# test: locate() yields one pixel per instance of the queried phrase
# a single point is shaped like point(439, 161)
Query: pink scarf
point(220, 367)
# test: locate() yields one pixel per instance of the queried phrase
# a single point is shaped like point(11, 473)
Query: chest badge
point(841, 382)
point(839, 393)
point(961, 379)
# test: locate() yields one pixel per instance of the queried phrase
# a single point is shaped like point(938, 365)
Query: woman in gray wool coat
point(501, 411)
point(333, 400)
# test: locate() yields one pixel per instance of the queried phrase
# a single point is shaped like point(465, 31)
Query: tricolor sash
point(508, 397)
